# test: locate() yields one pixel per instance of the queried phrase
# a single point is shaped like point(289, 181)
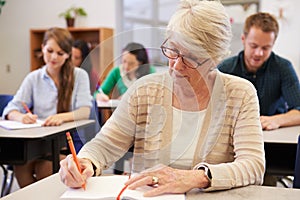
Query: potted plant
point(71, 13)
point(2, 3)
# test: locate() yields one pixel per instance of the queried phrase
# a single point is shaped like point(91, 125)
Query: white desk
point(42, 131)
point(287, 135)
point(51, 188)
point(19, 146)
point(252, 192)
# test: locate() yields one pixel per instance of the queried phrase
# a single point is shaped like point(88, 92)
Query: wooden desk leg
point(55, 154)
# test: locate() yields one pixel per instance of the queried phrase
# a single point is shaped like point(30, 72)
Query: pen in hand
point(30, 119)
point(72, 148)
point(26, 107)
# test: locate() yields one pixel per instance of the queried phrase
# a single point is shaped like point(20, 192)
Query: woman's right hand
point(71, 176)
point(27, 118)
point(102, 97)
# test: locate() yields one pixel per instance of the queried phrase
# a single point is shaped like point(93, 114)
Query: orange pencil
point(72, 148)
point(122, 190)
point(26, 107)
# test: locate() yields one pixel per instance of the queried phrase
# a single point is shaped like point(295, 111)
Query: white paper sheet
point(12, 125)
point(108, 187)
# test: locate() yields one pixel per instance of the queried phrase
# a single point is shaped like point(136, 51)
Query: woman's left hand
point(165, 179)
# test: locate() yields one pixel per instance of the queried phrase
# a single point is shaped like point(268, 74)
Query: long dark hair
point(141, 55)
point(85, 50)
point(86, 63)
point(66, 80)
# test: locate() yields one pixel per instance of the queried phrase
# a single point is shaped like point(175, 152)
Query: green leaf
point(72, 12)
point(81, 12)
point(2, 3)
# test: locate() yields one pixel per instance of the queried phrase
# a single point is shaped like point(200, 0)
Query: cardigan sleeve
point(248, 163)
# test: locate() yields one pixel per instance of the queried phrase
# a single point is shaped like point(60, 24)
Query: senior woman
point(192, 127)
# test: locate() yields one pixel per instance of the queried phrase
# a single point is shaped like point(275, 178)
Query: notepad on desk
point(112, 103)
point(108, 187)
point(12, 125)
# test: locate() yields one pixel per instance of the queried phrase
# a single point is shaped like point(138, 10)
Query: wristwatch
point(206, 172)
point(94, 168)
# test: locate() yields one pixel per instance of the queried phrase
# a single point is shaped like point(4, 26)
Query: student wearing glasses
point(193, 126)
point(57, 93)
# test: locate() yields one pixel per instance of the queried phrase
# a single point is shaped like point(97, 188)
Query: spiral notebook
point(108, 187)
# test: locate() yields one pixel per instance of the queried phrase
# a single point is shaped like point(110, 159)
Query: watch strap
point(207, 172)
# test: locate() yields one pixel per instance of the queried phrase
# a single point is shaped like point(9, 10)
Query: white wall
point(19, 16)
point(288, 42)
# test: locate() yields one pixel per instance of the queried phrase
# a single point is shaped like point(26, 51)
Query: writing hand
point(29, 118)
point(70, 175)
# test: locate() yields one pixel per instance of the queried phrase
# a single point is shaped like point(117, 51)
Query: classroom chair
point(4, 99)
point(8, 173)
point(296, 182)
point(83, 135)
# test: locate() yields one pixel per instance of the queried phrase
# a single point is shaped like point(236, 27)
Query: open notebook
point(108, 187)
point(112, 103)
point(12, 125)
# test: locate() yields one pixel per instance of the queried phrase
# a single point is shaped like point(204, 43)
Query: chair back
point(4, 99)
point(89, 132)
point(7, 180)
point(95, 116)
point(296, 183)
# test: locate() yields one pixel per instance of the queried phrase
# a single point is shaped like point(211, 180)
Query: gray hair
point(203, 27)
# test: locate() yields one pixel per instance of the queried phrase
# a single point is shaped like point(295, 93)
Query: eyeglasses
point(174, 54)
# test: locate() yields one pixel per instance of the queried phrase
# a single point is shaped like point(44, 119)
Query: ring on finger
point(154, 180)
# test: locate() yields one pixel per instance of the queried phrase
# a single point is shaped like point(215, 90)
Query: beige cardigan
point(233, 151)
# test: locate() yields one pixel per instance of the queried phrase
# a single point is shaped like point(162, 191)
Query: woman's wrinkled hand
point(165, 179)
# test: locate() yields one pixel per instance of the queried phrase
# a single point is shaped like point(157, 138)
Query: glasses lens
point(173, 54)
point(170, 53)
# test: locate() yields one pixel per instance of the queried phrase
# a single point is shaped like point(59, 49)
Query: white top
point(186, 126)
point(39, 92)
